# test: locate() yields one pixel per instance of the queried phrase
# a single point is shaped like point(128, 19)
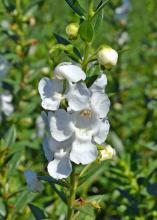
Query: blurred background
point(128, 184)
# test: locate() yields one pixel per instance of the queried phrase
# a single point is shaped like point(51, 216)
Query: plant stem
point(73, 187)
point(86, 54)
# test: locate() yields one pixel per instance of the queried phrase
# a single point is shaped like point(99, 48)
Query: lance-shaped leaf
point(37, 212)
point(10, 136)
point(75, 6)
point(52, 180)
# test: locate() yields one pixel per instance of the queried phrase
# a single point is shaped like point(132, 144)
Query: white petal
point(49, 153)
point(78, 96)
point(50, 104)
point(102, 132)
point(50, 92)
point(83, 151)
point(60, 124)
point(6, 106)
point(99, 84)
point(100, 104)
point(70, 72)
point(60, 167)
point(51, 146)
point(6, 97)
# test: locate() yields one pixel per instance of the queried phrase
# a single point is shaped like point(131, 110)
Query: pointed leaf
point(75, 6)
point(37, 212)
point(10, 136)
point(86, 31)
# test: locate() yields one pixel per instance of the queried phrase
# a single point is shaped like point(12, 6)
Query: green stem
point(73, 187)
point(86, 54)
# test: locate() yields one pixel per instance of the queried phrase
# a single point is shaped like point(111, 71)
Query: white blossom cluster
point(76, 118)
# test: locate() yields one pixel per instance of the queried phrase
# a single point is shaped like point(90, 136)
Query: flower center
point(86, 113)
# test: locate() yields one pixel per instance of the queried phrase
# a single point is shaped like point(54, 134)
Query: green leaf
point(24, 198)
point(52, 180)
point(101, 6)
point(2, 208)
point(98, 198)
point(86, 31)
point(34, 3)
point(12, 164)
point(37, 212)
point(86, 209)
point(95, 170)
point(152, 189)
point(62, 40)
point(75, 6)
point(151, 146)
point(9, 6)
point(10, 137)
point(117, 143)
point(61, 194)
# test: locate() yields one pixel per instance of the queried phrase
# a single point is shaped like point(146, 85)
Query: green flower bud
point(107, 57)
point(72, 30)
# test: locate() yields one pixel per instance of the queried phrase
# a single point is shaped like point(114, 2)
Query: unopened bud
point(107, 57)
point(72, 30)
point(107, 153)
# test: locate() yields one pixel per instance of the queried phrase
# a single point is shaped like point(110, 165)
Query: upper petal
point(99, 84)
point(78, 96)
point(50, 92)
point(60, 167)
point(60, 124)
point(70, 72)
point(102, 132)
point(100, 104)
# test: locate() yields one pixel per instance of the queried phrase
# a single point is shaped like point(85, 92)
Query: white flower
point(5, 104)
point(107, 57)
point(84, 128)
point(60, 167)
point(107, 153)
point(70, 72)
point(73, 134)
point(51, 91)
point(33, 184)
point(123, 38)
point(57, 153)
point(4, 67)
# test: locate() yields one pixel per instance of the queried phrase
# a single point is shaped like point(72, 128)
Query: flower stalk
point(73, 188)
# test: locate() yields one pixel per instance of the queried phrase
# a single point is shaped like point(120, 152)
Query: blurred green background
point(128, 184)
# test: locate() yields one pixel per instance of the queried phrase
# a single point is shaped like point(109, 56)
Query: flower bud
point(107, 57)
point(72, 30)
point(107, 153)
